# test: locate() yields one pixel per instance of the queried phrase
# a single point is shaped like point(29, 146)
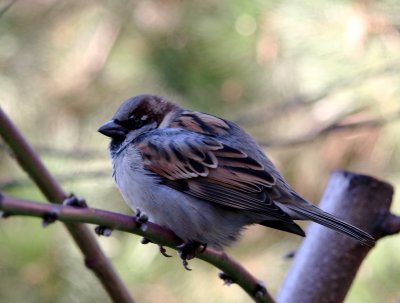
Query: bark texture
point(326, 263)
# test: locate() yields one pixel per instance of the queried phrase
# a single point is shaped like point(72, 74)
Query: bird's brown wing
point(203, 167)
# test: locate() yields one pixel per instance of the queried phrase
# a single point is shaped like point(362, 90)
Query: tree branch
point(6, 7)
point(335, 126)
point(268, 112)
point(83, 237)
point(155, 233)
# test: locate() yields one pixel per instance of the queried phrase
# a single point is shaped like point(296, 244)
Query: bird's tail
point(313, 213)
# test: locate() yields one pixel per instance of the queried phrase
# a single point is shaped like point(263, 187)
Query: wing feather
point(204, 167)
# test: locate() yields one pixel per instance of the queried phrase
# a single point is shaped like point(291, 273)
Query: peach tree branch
point(155, 233)
point(84, 238)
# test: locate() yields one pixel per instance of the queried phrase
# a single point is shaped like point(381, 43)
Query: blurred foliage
point(284, 70)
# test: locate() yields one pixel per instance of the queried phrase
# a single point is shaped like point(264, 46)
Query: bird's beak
point(112, 129)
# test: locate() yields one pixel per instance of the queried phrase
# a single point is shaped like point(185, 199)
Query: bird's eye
point(135, 122)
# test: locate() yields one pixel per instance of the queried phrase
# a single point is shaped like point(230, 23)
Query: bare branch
point(333, 128)
point(155, 233)
point(83, 237)
point(6, 7)
point(269, 111)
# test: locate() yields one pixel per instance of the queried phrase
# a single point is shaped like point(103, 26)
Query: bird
point(202, 176)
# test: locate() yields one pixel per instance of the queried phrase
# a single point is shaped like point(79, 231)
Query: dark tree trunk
point(326, 263)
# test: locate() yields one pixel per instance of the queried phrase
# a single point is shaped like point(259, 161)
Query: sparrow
point(202, 176)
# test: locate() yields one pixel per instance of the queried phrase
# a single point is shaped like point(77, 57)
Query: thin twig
point(269, 111)
point(157, 234)
point(335, 126)
point(6, 7)
point(83, 237)
point(332, 128)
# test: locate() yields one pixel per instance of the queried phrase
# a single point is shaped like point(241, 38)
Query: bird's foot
point(75, 201)
point(145, 241)
point(189, 250)
point(163, 251)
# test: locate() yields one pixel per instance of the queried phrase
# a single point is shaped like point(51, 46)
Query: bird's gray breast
point(132, 180)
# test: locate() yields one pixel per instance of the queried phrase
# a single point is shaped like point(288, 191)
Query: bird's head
point(137, 115)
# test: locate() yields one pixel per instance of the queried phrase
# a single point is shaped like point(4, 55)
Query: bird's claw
point(75, 201)
point(185, 265)
point(163, 251)
point(186, 251)
point(189, 250)
point(145, 241)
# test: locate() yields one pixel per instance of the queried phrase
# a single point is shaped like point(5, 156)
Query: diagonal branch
point(87, 243)
point(299, 101)
point(334, 127)
point(6, 7)
point(155, 233)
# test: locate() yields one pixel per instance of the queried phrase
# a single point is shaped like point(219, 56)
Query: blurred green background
point(286, 71)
